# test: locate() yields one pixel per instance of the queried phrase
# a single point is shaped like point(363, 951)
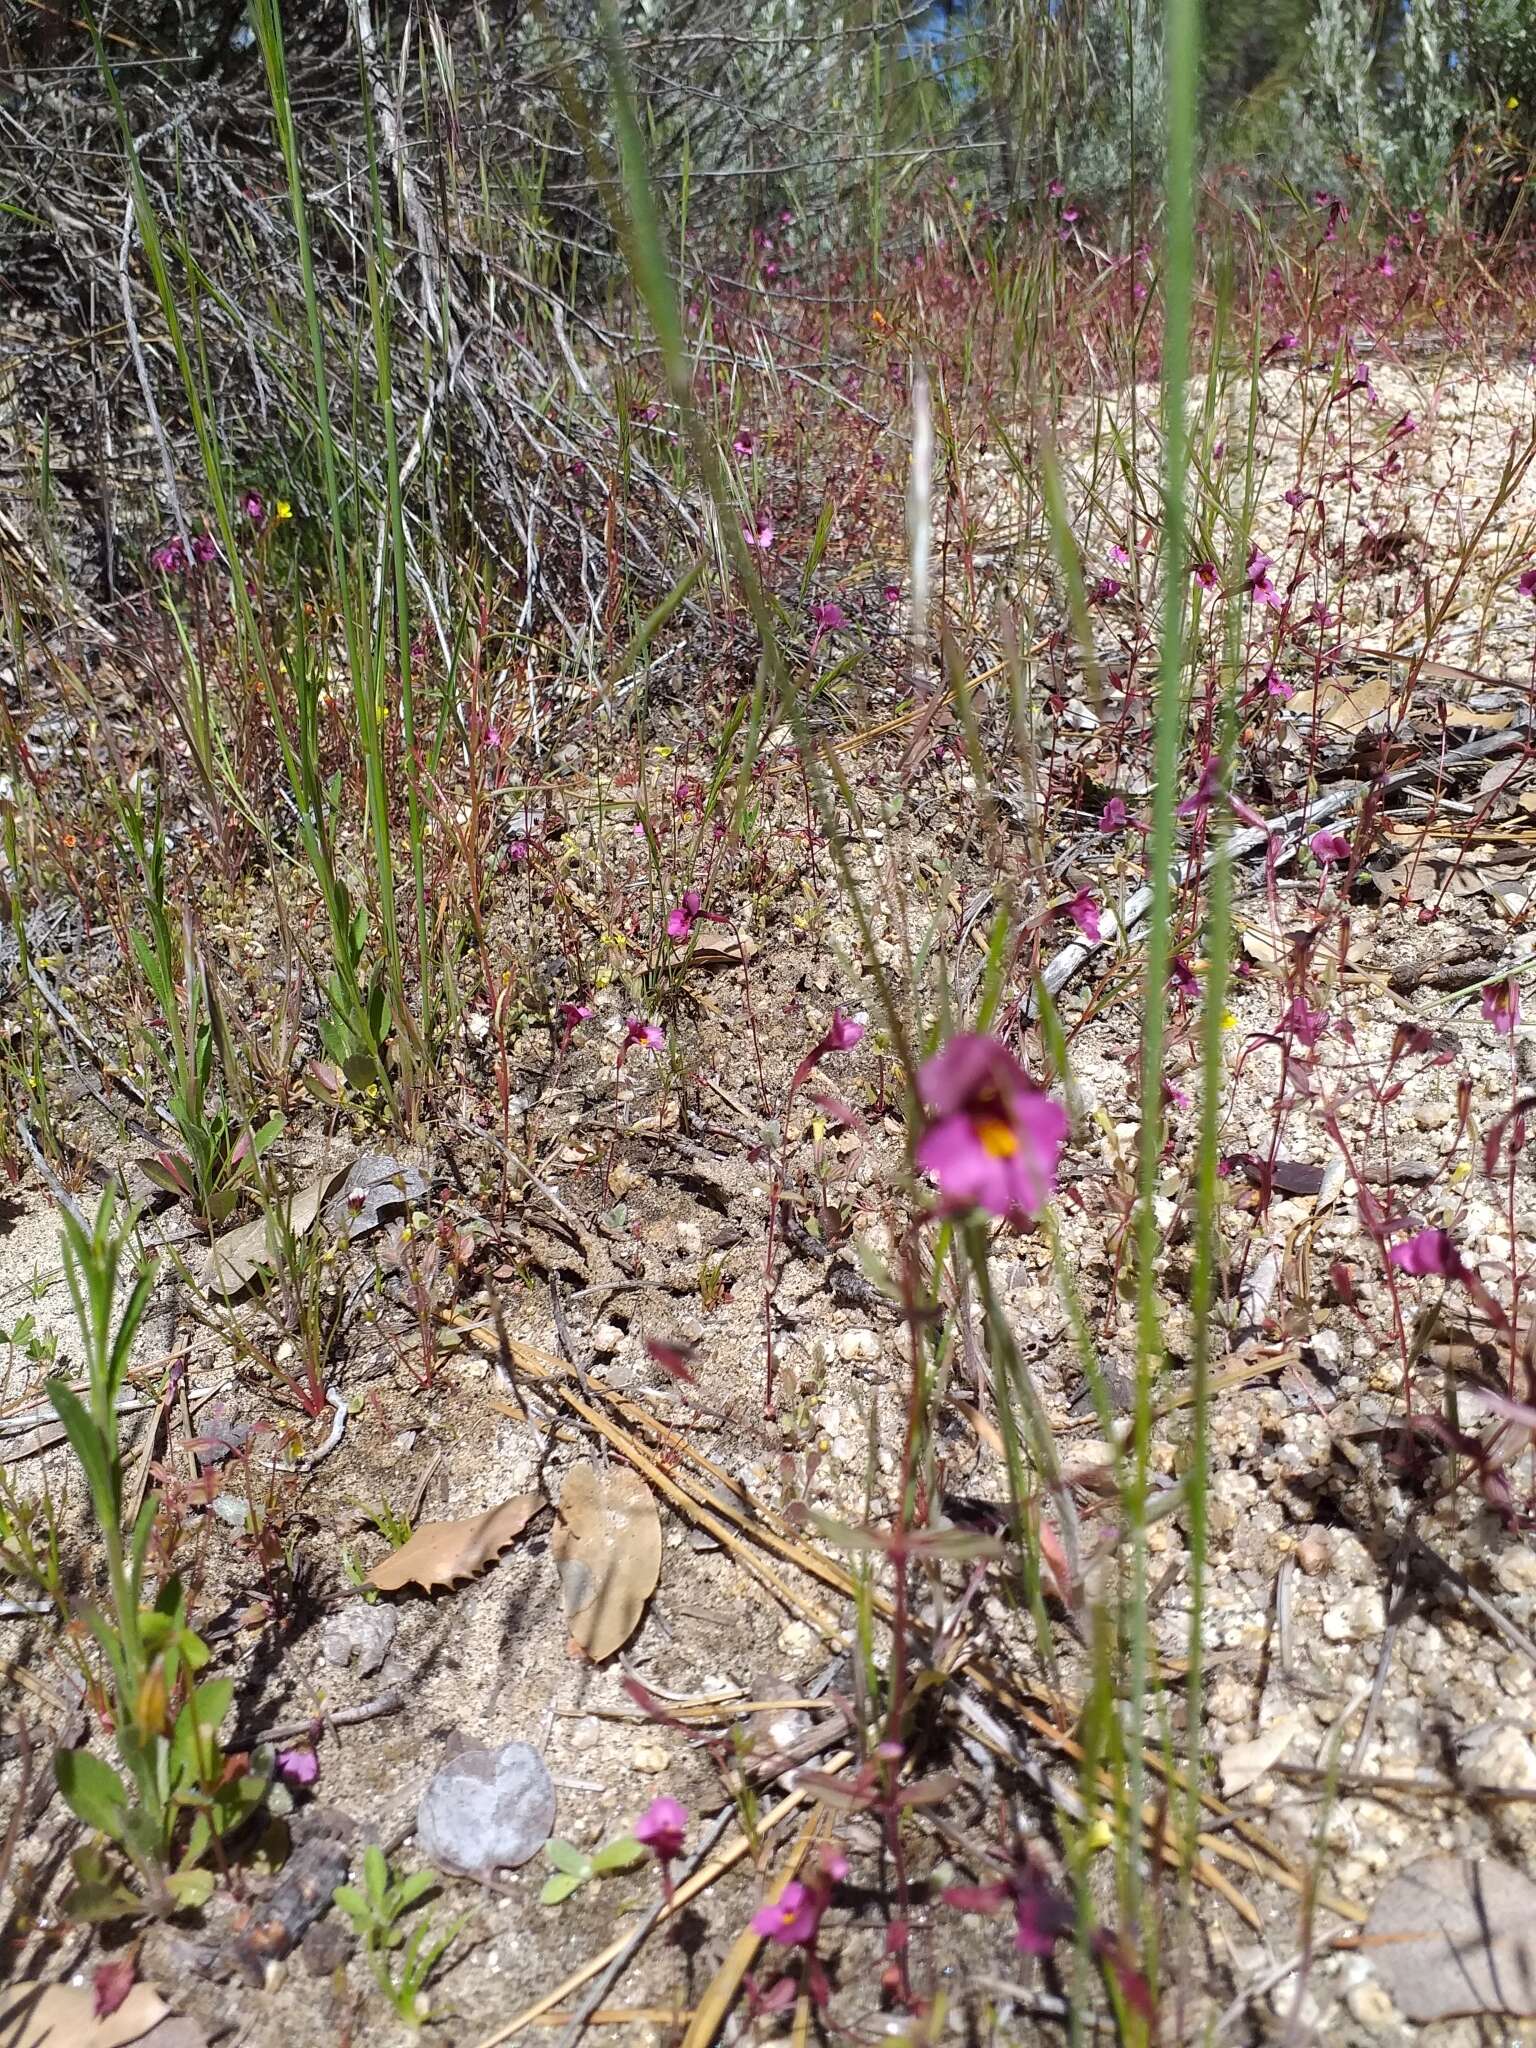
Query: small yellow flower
point(877, 318)
point(1228, 1021)
point(283, 509)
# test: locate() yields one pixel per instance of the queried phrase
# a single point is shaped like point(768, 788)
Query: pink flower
point(1182, 977)
point(793, 1918)
point(1277, 686)
point(1260, 589)
point(574, 1014)
point(663, 1828)
point(1501, 1006)
point(253, 505)
point(298, 1766)
point(1084, 913)
point(1119, 557)
point(1432, 1251)
point(892, 593)
point(1104, 590)
point(1527, 584)
point(1295, 498)
point(170, 558)
point(1301, 1022)
point(743, 445)
point(1041, 1916)
point(760, 536)
point(1205, 575)
point(1205, 792)
point(993, 1139)
point(827, 618)
point(842, 1035)
point(1328, 847)
point(1115, 816)
point(205, 548)
point(683, 916)
point(638, 1032)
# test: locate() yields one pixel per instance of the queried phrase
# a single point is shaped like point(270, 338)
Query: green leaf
point(99, 1892)
point(85, 1441)
point(565, 1856)
point(558, 1888)
point(92, 1790)
point(190, 1888)
point(622, 1854)
point(410, 1889)
point(357, 1909)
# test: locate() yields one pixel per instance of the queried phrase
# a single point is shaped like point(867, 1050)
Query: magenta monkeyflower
point(1501, 1005)
point(682, 917)
point(1182, 977)
point(993, 1139)
point(1432, 1251)
point(1084, 913)
point(638, 1032)
point(827, 618)
point(663, 1827)
point(1041, 1916)
point(205, 548)
point(793, 1918)
point(842, 1035)
point(573, 1014)
point(1115, 816)
point(1304, 1023)
point(170, 558)
point(1527, 584)
point(254, 506)
point(1104, 590)
point(1260, 589)
point(1205, 575)
point(761, 534)
point(1328, 847)
point(298, 1766)
point(891, 593)
point(743, 445)
point(1277, 686)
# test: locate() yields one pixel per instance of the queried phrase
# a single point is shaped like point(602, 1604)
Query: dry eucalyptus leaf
point(1345, 706)
point(236, 1258)
point(1244, 1763)
point(1455, 1935)
point(64, 2016)
point(607, 1548)
point(376, 1187)
point(733, 953)
point(440, 1553)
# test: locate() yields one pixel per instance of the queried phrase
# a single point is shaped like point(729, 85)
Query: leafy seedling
point(376, 1912)
point(574, 1868)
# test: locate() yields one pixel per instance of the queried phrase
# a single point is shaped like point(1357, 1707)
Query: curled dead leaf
point(607, 1548)
point(441, 1553)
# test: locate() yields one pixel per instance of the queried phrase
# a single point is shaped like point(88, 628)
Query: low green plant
point(218, 1148)
point(376, 1913)
point(174, 1790)
point(574, 1868)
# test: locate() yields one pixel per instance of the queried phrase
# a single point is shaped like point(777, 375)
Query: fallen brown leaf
point(63, 2016)
point(441, 1553)
point(234, 1260)
point(1454, 1934)
point(607, 1547)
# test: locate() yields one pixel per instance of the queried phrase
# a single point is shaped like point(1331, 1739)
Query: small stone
point(1369, 2006)
point(1515, 1570)
point(486, 1810)
point(797, 1639)
point(325, 1947)
point(690, 1240)
point(1314, 1552)
point(584, 1734)
point(360, 1631)
point(606, 1339)
point(649, 1757)
point(858, 1347)
point(1357, 1619)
